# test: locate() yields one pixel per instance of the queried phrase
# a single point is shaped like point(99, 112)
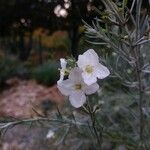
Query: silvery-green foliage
point(119, 33)
point(126, 35)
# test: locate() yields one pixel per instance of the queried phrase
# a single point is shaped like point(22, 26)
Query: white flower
point(63, 70)
point(76, 89)
point(50, 134)
point(92, 69)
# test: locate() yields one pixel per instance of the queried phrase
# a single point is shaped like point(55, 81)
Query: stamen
point(89, 69)
point(78, 86)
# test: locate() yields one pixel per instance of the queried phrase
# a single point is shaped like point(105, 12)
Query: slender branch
point(65, 121)
point(97, 133)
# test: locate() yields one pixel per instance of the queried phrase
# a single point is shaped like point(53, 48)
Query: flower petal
point(82, 61)
point(63, 63)
point(89, 78)
point(91, 55)
point(65, 87)
point(101, 71)
point(77, 99)
point(61, 78)
point(75, 75)
point(91, 88)
point(87, 58)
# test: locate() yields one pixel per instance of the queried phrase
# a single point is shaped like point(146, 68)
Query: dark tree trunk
point(24, 50)
point(74, 41)
point(40, 50)
point(21, 46)
point(74, 35)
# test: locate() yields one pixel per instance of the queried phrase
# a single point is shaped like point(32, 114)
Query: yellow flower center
point(89, 69)
point(78, 86)
point(64, 71)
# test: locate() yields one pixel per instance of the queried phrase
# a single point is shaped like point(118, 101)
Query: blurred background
point(35, 32)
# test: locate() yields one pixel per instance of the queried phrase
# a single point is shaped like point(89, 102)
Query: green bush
point(11, 67)
point(47, 73)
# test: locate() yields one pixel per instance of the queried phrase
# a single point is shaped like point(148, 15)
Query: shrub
point(47, 73)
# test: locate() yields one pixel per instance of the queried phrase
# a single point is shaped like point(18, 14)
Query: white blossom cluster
point(82, 79)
